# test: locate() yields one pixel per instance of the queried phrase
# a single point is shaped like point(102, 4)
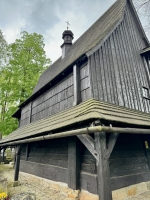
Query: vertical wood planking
point(140, 44)
point(94, 77)
point(76, 79)
point(114, 83)
point(134, 59)
point(54, 100)
point(117, 70)
point(126, 93)
point(73, 163)
point(85, 85)
point(103, 171)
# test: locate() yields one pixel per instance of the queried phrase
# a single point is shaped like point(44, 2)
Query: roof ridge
point(88, 40)
point(98, 19)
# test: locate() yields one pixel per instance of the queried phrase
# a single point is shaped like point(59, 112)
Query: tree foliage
point(26, 60)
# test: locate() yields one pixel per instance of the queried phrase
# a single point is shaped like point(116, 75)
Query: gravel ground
point(7, 171)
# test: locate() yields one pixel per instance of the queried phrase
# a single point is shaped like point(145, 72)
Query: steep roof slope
point(94, 35)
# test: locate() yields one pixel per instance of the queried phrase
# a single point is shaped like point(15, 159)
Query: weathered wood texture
point(128, 161)
point(103, 170)
point(58, 98)
point(74, 163)
point(17, 163)
point(52, 152)
point(51, 172)
point(54, 100)
point(25, 115)
point(128, 164)
point(88, 162)
point(85, 89)
point(117, 69)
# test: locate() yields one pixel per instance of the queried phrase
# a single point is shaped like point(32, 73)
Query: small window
point(145, 91)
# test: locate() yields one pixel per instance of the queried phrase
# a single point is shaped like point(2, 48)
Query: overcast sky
point(47, 17)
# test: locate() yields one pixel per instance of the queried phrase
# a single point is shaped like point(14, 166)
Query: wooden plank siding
point(85, 89)
point(25, 115)
point(128, 162)
point(48, 152)
point(57, 98)
point(117, 69)
point(54, 100)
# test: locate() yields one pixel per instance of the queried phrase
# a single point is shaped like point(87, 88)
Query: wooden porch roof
point(89, 110)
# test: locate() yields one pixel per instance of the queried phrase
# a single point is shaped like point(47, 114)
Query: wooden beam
point(111, 143)
point(17, 163)
point(89, 142)
point(30, 112)
point(27, 151)
point(76, 80)
point(73, 163)
point(3, 156)
point(103, 171)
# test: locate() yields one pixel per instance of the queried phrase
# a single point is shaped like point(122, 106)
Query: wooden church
point(87, 123)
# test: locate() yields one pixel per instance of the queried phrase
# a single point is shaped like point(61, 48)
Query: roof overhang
point(146, 51)
point(72, 118)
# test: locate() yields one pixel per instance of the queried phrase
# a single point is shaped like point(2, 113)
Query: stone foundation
point(62, 192)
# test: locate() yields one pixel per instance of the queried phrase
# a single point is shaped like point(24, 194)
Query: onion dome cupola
point(67, 37)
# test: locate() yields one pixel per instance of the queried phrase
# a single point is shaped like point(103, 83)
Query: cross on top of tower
point(67, 22)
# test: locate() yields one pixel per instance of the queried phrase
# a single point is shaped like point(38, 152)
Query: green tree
point(27, 60)
point(3, 50)
point(27, 63)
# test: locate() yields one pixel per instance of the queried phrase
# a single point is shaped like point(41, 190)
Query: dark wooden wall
point(117, 69)
point(54, 100)
point(25, 115)
point(128, 162)
point(57, 98)
point(47, 159)
point(85, 89)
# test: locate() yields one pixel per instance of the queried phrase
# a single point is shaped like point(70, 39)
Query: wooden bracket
point(111, 143)
point(89, 142)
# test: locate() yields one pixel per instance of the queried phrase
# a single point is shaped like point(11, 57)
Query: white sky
point(47, 17)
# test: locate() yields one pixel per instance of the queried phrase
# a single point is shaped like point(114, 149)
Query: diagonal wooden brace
point(89, 142)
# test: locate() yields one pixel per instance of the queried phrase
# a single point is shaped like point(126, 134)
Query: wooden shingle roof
point(89, 110)
point(94, 35)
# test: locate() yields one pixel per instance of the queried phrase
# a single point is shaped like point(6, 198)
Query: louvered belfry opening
point(67, 37)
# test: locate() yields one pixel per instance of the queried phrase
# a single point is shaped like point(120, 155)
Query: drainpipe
point(88, 130)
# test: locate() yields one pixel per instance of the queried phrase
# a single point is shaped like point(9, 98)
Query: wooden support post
point(27, 151)
point(17, 163)
point(3, 158)
point(147, 150)
point(76, 80)
point(73, 163)
point(103, 171)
